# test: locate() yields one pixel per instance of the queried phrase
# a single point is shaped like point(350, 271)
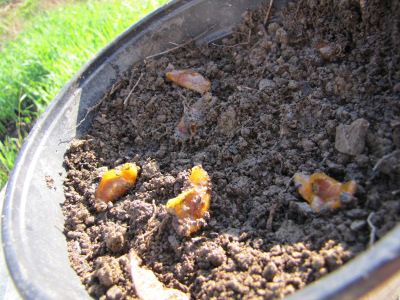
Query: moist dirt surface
point(316, 90)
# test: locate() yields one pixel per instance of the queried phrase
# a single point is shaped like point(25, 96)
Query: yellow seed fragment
point(190, 208)
point(324, 192)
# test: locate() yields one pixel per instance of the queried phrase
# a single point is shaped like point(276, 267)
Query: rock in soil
point(350, 139)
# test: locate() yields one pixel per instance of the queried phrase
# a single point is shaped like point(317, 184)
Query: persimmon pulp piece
point(199, 176)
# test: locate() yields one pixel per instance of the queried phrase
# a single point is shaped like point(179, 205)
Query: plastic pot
point(34, 245)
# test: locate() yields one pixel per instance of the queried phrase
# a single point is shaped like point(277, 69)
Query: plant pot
point(32, 222)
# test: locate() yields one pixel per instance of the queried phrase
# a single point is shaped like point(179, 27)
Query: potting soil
point(316, 90)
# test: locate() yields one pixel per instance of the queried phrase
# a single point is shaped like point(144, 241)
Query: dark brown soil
point(278, 94)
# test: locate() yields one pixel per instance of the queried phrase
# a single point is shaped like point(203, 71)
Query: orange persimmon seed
point(115, 182)
point(191, 206)
point(190, 80)
point(324, 192)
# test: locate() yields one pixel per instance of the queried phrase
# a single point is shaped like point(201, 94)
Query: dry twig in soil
point(181, 45)
point(268, 11)
point(373, 229)
point(130, 93)
point(272, 215)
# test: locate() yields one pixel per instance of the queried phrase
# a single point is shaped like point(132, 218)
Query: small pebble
point(358, 225)
point(266, 84)
point(356, 213)
point(350, 139)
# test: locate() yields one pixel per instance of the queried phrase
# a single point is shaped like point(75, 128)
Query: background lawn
point(42, 44)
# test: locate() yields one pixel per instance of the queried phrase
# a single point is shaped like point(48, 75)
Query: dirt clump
point(279, 94)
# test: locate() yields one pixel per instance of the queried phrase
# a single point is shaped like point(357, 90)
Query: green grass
point(8, 152)
point(36, 64)
point(5, 2)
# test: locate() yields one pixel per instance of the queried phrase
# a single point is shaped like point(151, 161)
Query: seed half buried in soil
point(190, 80)
point(192, 119)
point(190, 208)
point(114, 184)
point(324, 192)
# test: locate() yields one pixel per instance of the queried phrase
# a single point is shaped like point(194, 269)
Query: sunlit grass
point(8, 153)
point(36, 64)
